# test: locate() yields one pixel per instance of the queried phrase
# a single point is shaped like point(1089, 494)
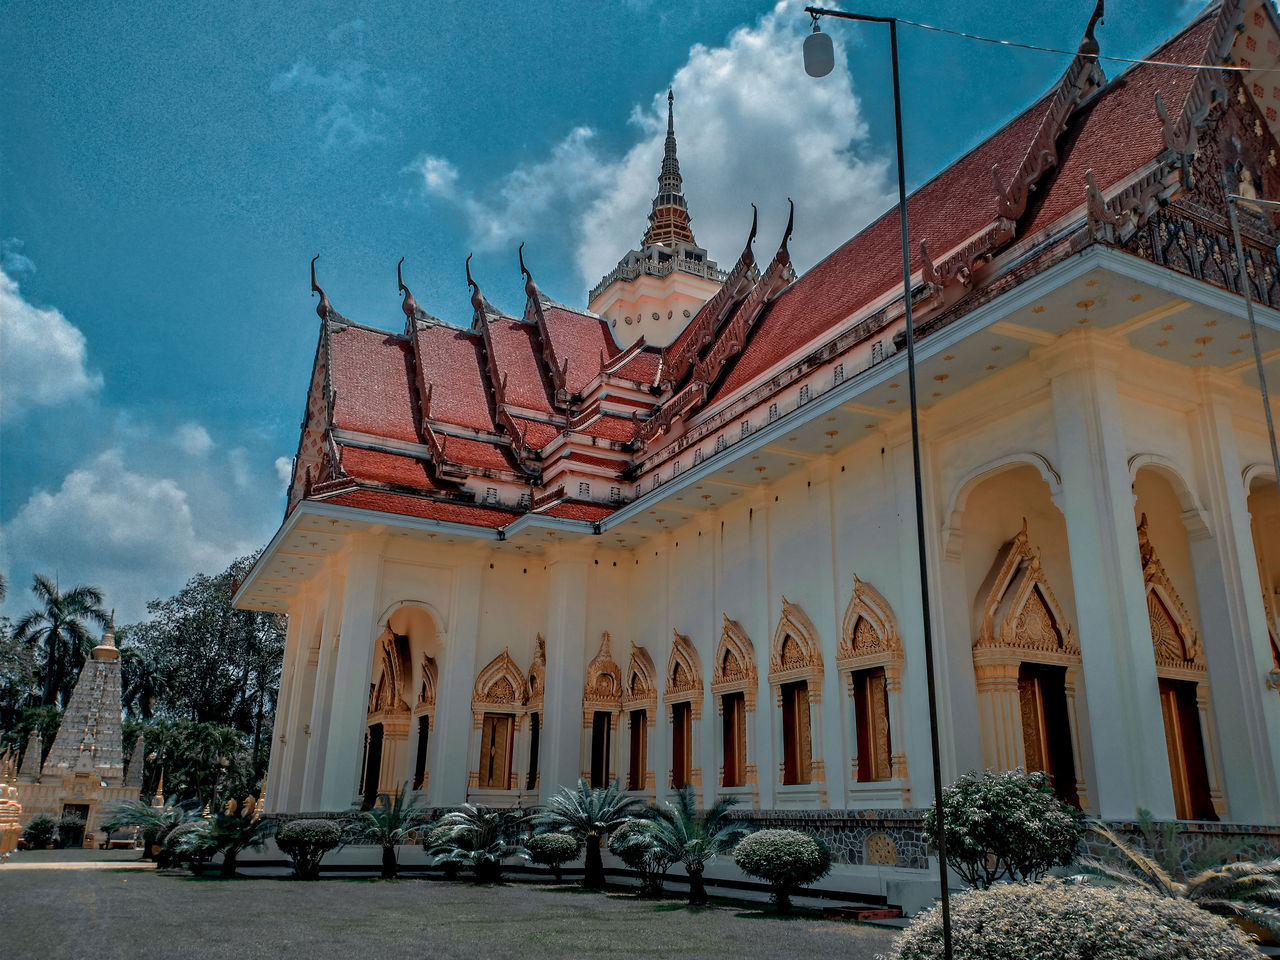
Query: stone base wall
point(887, 838)
point(1187, 843)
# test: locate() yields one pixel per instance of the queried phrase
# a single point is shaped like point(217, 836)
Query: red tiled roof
point(427, 509)
point(377, 466)
point(580, 339)
point(539, 433)
point(450, 361)
point(610, 428)
point(578, 510)
point(369, 371)
point(515, 349)
point(477, 453)
point(579, 457)
point(643, 367)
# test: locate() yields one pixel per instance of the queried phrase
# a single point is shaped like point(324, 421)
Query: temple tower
point(654, 291)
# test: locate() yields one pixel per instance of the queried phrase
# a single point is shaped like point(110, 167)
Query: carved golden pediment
point(603, 686)
point(500, 683)
point(538, 672)
point(638, 687)
point(1019, 611)
point(1177, 642)
point(734, 667)
point(795, 650)
point(430, 677)
point(684, 670)
point(869, 634)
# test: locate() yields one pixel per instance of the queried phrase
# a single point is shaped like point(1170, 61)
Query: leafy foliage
point(1029, 921)
point(154, 824)
point(58, 626)
point(40, 831)
point(1244, 889)
point(1005, 825)
point(236, 828)
point(632, 844)
point(554, 850)
point(590, 814)
point(676, 832)
point(479, 838)
point(389, 823)
point(71, 829)
point(305, 842)
point(785, 859)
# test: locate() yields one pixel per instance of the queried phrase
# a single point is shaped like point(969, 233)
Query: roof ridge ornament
point(1089, 43)
point(481, 307)
point(409, 305)
point(530, 287)
point(323, 309)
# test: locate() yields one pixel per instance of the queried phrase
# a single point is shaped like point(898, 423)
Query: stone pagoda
point(84, 772)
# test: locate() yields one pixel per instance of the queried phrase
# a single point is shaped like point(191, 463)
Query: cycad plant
point(1249, 890)
point(479, 838)
point(589, 814)
point(387, 824)
point(153, 824)
point(236, 828)
point(676, 830)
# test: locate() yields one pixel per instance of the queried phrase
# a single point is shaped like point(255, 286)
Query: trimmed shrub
point(1030, 921)
point(1005, 825)
point(40, 831)
point(633, 844)
point(71, 829)
point(553, 850)
point(785, 859)
point(305, 842)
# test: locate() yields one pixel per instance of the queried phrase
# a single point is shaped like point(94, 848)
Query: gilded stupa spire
point(669, 219)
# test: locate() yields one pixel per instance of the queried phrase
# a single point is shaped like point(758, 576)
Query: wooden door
point(495, 751)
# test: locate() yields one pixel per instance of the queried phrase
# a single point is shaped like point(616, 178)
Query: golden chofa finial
point(323, 308)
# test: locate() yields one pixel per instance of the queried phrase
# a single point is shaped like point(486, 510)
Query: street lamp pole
point(819, 62)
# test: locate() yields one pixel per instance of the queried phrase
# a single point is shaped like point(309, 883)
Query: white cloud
point(131, 533)
point(42, 355)
point(193, 439)
point(238, 461)
point(284, 470)
point(12, 260)
point(751, 127)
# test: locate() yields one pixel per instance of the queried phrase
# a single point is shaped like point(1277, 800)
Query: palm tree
point(1247, 890)
point(590, 815)
point(388, 824)
point(677, 832)
point(143, 680)
point(153, 824)
point(58, 626)
point(479, 837)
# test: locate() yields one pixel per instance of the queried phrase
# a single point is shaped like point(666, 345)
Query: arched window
point(424, 712)
point(537, 688)
point(497, 705)
point(683, 696)
point(795, 675)
point(734, 684)
point(388, 721)
point(870, 659)
point(640, 708)
point(601, 709)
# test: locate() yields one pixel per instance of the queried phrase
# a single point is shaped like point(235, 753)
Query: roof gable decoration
point(500, 683)
point(1018, 607)
point(538, 673)
point(869, 634)
point(430, 679)
point(684, 670)
point(639, 690)
point(796, 652)
point(393, 655)
point(734, 667)
point(603, 687)
point(1177, 643)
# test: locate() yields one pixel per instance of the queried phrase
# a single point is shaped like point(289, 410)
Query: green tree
point(58, 626)
point(480, 838)
point(682, 836)
point(590, 814)
point(388, 824)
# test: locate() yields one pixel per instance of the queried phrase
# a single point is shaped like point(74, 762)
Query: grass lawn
point(59, 905)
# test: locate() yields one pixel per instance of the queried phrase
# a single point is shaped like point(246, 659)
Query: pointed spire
point(669, 219)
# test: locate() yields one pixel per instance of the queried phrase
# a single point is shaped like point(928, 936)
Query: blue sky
point(167, 171)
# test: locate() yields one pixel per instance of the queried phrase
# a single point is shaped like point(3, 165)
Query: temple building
point(84, 771)
point(669, 540)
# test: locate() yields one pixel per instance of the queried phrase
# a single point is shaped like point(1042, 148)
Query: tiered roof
point(545, 413)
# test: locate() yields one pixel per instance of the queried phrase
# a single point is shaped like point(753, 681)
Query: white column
point(450, 757)
point(568, 568)
point(281, 745)
point(1233, 620)
point(316, 726)
point(298, 704)
point(353, 656)
point(834, 702)
point(1115, 633)
point(762, 617)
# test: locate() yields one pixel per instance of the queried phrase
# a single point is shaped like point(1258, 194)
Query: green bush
point(305, 842)
point(632, 843)
point(1005, 825)
point(39, 832)
point(1030, 921)
point(553, 850)
point(71, 829)
point(785, 859)
point(175, 853)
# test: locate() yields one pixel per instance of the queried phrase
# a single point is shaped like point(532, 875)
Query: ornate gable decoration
point(795, 653)
point(639, 690)
point(1019, 611)
point(538, 673)
point(430, 676)
point(1177, 642)
point(869, 634)
point(500, 683)
point(684, 670)
point(393, 652)
point(735, 661)
point(604, 680)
